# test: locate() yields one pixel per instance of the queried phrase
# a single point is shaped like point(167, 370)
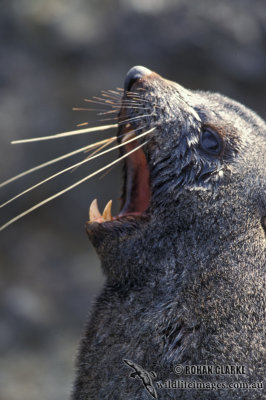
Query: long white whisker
point(99, 149)
point(111, 140)
point(54, 160)
point(122, 122)
point(134, 119)
point(134, 107)
point(130, 101)
point(68, 188)
point(70, 133)
point(74, 166)
point(116, 118)
point(91, 109)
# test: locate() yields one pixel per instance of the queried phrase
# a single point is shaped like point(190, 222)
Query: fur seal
point(185, 258)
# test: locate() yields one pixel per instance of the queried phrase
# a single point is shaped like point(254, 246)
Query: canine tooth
point(107, 211)
point(94, 211)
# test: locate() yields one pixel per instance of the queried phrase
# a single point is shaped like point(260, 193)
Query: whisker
point(132, 131)
point(74, 166)
point(70, 133)
point(82, 124)
point(111, 95)
point(136, 107)
point(128, 92)
point(103, 112)
point(113, 106)
point(134, 100)
point(120, 101)
point(108, 112)
point(134, 119)
point(140, 99)
point(91, 109)
point(116, 118)
point(106, 119)
point(121, 136)
point(97, 150)
point(116, 104)
point(99, 113)
point(106, 101)
point(102, 146)
point(114, 92)
point(54, 160)
point(68, 188)
point(103, 103)
point(129, 100)
point(106, 173)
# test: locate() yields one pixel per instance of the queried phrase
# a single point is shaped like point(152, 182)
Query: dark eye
point(210, 141)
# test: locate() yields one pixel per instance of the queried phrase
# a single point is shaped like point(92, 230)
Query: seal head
point(202, 163)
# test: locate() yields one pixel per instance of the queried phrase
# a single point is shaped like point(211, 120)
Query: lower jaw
point(109, 238)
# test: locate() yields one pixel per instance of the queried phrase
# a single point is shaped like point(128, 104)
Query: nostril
point(134, 74)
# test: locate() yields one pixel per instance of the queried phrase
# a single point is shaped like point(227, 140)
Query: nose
point(134, 74)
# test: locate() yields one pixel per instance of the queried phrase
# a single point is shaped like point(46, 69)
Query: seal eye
point(210, 141)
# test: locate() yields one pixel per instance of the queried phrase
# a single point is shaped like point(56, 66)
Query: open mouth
point(136, 194)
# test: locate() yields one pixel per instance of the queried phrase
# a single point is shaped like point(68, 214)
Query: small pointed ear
point(263, 223)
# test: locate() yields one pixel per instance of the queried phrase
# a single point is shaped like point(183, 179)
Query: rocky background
point(54, 53)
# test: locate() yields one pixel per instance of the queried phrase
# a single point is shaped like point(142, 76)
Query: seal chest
point(185, 258)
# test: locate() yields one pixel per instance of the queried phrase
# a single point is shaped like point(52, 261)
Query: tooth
point(94, 213)
point(107, 211)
